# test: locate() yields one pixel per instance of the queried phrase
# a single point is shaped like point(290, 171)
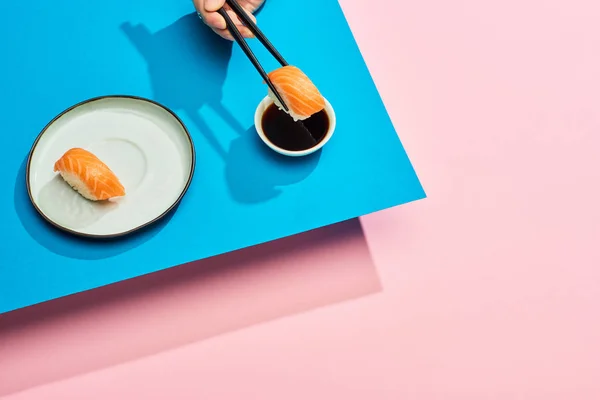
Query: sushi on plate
point(88, 175)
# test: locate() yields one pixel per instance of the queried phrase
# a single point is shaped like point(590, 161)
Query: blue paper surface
point(58, 53)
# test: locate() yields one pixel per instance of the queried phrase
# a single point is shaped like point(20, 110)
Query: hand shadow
point(187, 64)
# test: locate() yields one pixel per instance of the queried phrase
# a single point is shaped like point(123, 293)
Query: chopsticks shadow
point(182, 305)
point(187, 65)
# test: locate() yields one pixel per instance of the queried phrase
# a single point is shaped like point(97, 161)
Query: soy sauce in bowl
point(285, 133)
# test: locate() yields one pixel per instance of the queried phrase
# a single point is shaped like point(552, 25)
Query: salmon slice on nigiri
point(88, 175)
point(297, 91)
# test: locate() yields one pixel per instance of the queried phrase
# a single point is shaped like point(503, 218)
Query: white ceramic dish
point(260, 110)
point(146, 146)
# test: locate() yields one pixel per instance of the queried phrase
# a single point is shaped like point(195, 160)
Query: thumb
point(213, 5)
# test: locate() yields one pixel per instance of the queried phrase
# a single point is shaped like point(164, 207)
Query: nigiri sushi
point(89, 176)
point(297, 91)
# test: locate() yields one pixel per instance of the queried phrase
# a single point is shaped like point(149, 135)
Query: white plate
point(143, 143)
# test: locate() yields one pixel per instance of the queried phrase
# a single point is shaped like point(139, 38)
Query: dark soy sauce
point(281, 129)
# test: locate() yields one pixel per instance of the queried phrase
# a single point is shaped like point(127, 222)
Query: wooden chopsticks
point(260, 36)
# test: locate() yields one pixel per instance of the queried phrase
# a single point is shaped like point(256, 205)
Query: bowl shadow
point(252, 179)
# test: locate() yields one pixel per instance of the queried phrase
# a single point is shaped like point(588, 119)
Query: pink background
point(488, 289)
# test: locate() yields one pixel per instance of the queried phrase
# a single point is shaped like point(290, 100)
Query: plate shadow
point(66, 244)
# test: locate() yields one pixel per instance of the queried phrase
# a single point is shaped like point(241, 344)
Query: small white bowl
point(260, 110)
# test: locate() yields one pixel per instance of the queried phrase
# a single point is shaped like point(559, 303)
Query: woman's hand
point(208, 11)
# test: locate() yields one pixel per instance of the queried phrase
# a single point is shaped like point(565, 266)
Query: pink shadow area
point(185, 304)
